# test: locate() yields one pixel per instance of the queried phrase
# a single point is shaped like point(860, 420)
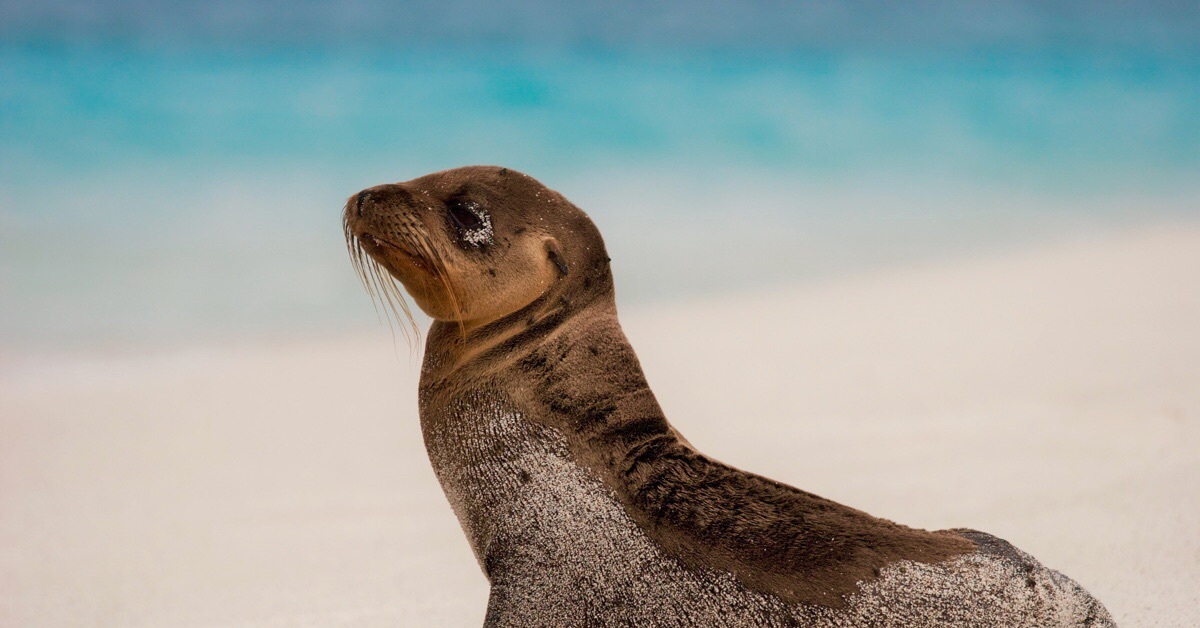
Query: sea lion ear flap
point(554, 252)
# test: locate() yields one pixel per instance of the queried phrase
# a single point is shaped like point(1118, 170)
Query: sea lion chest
point(541, 526)
point(497, 468)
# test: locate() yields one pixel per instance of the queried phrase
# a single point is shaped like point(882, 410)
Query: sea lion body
point(582, 504)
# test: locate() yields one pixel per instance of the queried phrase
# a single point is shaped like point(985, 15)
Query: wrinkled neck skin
point(499, 434)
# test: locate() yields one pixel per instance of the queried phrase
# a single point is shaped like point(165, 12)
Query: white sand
point(1048, 397)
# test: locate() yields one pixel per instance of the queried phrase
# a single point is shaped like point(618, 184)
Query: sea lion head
point(474, 245)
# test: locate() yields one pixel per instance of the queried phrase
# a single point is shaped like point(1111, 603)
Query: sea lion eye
point(466, 215)
point(473, 223)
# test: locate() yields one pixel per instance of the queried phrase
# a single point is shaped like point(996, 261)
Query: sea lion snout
point(373, 201)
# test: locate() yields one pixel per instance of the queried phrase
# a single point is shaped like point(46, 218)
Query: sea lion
point(582, 504)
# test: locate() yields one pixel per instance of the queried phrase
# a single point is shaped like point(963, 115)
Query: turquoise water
point(159, 193)
point(1045, 119)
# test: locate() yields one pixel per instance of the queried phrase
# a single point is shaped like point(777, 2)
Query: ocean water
point(166, 179)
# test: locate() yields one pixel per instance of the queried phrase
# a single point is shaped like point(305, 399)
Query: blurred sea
point(174, 172)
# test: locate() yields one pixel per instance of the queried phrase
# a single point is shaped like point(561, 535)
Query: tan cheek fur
point(523, 275)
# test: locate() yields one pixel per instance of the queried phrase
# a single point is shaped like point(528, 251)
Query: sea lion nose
point(381, 198)
point(364, 197)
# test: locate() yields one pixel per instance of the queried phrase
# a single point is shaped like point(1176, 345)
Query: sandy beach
point(1049, 396)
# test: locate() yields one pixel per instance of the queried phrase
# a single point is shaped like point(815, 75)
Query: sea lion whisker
point(395, 303)
point(370, 273)
point(362, 265)
point(360, 268)
point(389, 308)
point(443, 275)
point(354, 249)
point(440, 271)
point(397, 293)
point(384, 293)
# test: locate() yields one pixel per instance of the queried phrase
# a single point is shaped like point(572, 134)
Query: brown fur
point(531, 313)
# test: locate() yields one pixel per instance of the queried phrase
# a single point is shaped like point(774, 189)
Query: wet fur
point(561, 364)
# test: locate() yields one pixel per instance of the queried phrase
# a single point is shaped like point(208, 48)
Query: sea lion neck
point(453, 349)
